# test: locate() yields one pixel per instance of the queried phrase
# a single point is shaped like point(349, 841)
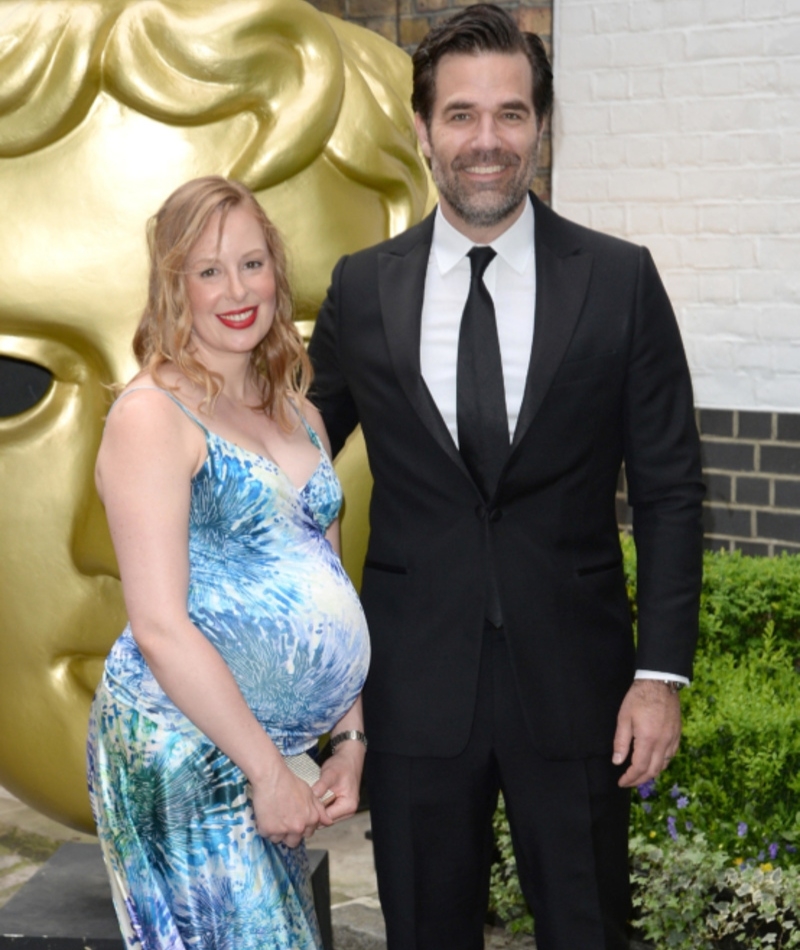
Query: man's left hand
point(649, 721)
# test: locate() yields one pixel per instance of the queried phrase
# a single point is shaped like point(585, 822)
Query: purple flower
point(682, 802)
point(674, 791)
point(647, 788)
point(673, 831)
point(689, 825)
point(647, 808)
point(790, 848)
point(741, 829)
point(773, 851)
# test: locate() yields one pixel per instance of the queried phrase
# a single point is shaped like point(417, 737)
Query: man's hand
point(650, 721)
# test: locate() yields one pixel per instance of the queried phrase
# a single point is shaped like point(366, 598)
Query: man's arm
point(330, 392)
point(662, 462)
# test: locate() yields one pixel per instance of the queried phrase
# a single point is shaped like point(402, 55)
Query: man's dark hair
point(482, 28)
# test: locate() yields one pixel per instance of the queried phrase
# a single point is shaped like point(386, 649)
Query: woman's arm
point(148, 456)
point(341, 773)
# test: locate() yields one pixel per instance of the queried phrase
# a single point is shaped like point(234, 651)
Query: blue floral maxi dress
point(188, 868)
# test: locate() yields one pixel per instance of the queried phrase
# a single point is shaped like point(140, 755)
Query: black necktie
point(481, 413)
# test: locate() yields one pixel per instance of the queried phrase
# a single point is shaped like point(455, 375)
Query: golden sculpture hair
point(280, 63)
point(279, 364)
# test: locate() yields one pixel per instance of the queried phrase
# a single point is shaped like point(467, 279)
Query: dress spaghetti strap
point(310, 430)
point(166, 392)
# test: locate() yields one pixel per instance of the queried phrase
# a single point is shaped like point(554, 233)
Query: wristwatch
point(674, 686)
point(341, 737)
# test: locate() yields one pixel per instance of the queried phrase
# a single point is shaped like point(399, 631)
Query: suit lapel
point(401, 282)
point(562, 278)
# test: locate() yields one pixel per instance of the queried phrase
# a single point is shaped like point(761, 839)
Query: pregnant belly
point(296, 642)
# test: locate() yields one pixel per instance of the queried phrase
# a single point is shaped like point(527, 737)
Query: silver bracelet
point(341, 737)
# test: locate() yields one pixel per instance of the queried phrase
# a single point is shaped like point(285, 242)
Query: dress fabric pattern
point(188, 868)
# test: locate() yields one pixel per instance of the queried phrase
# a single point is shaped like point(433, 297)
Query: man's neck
point(476, 234)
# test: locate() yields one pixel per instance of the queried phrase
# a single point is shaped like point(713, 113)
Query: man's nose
point(487, 134)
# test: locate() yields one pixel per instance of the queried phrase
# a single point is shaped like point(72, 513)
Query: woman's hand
point(286, 809)
point(341, 774)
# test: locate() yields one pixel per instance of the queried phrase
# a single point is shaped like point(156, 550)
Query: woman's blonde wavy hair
point(279, 364)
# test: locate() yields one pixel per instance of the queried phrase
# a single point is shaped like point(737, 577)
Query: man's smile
point(485, 169)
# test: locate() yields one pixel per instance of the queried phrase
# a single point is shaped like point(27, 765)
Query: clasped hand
point(286, 808)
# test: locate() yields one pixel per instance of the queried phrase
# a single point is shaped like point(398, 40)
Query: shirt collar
point(514, 246)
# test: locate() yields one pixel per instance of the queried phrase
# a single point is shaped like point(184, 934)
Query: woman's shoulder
point(154, 404)
point(148, 423)
point(313, 418)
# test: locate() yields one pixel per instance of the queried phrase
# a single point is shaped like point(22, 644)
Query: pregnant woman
point(246, 640)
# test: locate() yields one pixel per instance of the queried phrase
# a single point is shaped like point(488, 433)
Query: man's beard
point(486, 205)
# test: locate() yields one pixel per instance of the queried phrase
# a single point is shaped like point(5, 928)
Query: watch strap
point(354, 734)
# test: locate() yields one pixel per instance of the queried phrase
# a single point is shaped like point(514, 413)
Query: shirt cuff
point(654, 675)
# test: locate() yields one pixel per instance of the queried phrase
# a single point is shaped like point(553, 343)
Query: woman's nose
point(236, 287)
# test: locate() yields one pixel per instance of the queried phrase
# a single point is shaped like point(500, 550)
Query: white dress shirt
point(511, 281)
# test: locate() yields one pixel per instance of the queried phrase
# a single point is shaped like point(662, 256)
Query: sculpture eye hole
point(22, 385)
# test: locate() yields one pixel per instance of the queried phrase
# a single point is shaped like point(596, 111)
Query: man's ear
point(422, 135)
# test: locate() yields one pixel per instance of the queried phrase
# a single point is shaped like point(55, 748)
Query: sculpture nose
point(92, 549)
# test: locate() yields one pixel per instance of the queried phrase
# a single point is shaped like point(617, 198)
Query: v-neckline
point(271, 462)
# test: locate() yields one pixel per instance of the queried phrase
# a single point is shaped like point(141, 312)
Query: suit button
point(480, 511)
point(495, 514)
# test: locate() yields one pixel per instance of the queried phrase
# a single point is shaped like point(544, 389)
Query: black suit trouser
point(431, 824)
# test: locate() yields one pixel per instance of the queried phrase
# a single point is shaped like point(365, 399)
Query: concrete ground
point(28, 839)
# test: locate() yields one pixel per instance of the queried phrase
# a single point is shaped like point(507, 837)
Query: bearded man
point(503, 363)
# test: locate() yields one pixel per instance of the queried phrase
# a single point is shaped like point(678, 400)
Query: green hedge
point(730, 801)
point(740, 597)
point(737, 775)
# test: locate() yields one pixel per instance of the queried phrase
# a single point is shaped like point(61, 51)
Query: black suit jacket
point(608, 380)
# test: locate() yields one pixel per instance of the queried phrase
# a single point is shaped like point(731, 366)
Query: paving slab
point(28, 839)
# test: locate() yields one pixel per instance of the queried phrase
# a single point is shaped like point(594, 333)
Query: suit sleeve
point(330, 392)
point(663, 469)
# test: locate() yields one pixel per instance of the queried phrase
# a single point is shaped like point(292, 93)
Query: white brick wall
point(677, 125)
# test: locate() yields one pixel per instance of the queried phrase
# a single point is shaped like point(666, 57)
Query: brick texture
point(663, 131)
point(677, 126)
point(751, 466)
point(405, 22)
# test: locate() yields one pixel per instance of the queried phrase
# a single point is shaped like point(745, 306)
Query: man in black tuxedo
point(499, 391)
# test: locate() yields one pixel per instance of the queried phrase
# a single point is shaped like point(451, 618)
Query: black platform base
point(67, 905)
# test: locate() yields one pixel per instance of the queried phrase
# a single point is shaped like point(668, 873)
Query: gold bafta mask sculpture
point(105, 107)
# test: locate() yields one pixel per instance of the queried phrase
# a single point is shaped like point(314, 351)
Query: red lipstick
point(238, 319)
